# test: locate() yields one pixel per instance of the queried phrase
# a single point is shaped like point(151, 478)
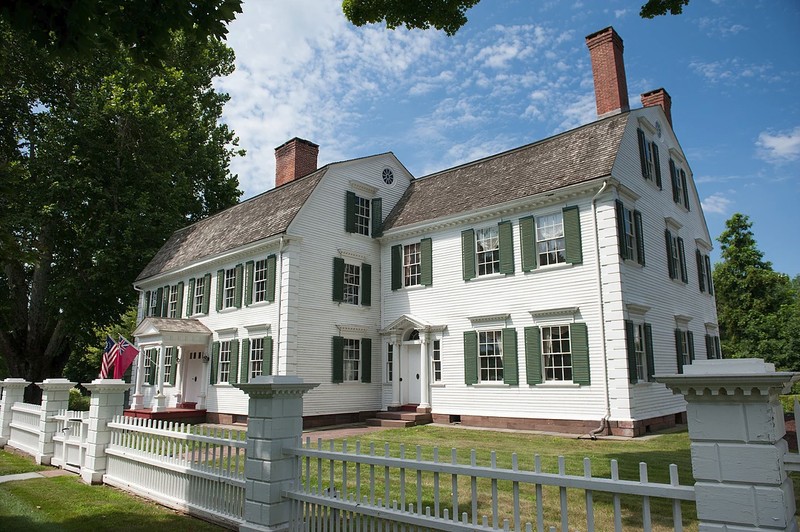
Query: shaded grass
point(66, 504)
point(13, 464)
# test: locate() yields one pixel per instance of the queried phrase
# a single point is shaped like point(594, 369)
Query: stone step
point(394, 423)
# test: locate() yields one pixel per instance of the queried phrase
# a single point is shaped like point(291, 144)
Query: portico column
point(160, 400)
point(137, 401)
point(425, 395)
point(396, 346)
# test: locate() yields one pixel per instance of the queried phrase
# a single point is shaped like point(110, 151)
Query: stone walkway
point(38, 474)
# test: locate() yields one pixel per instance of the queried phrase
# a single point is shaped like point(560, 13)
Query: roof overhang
point(171, 332)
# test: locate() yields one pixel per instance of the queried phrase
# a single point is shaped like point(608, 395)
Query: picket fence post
point(107, 401)
point(736, 429)
point(55, 397)
point(13, 391)
point(275, 422)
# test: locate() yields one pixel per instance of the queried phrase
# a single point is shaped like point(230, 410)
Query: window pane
point(490, 356)
point(412, 269)
point(352, 282)
point(260, 281)
point(550, 239)
point(256, 357)
point(557, 353)
point(352, 357)
point(362, 216)
point(487, 246)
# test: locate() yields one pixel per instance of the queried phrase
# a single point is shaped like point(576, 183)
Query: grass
point(13, 464)
point(65, 504)
point(658, 453)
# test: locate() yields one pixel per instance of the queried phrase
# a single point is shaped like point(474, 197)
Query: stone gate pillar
point(55, 397)
point(107, 402)
point(13, 391)
point(736, 429)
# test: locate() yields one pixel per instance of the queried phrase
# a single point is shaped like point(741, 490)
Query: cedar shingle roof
point(575, 156)
point(257, 218)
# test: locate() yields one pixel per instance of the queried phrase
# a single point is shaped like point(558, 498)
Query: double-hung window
point(229, 288)
point(713, 350)
point(256, 357)
point(389, 362)
point(352, 359)
point(199, 293)
point(704, 277)
point(487, 246)
point(639, 339)
point(680, 190)
point(260, 281)
point(352, 283)
point(172, 311)
point(169, 376)
point(412, 264)
point(224, 365)
point(557, 351)
point(153, 310)
point(490, 356)
point(630, 230)
point(676, 257)
point(684, 347)
point(648, 155)
point(362, 215)
point(550, 241)
point(149, 367)
point(437, 361)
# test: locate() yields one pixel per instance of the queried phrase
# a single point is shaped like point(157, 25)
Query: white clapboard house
point(538, 288)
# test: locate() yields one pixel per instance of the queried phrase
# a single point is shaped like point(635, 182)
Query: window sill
point(197, 315)
point(553, 267)
point(349, 383)
point(442, 385)
point(413, 287)
point(553, 384)
point(258, 304)
point(227, 310)
point(632, 263)
point(491, 385)
point(488, 276)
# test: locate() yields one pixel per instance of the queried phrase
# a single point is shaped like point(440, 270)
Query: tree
point(450, 15)
point(101, 159)
point(142, 27)
point(758, 309)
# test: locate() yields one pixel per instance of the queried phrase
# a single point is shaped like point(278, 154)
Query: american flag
point(109, 359)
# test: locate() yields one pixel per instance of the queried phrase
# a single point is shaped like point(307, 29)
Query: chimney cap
point(297, 139)
point(655, 91)
point(595, 38)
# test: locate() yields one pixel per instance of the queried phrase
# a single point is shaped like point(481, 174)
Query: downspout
point(603, 422)
point(279, 296)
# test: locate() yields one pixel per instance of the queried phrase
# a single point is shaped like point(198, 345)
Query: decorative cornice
point(645, 123)
point(351, 329)
point(746, 387)
point(345, 253)
point(637, 308)
point(489, 318)
point(56, 384)
point(563, 311)
point(675, 154)
point(363, 187)
point(108, 386)
point(672, 222)
point(258, 327)
point(275, 385)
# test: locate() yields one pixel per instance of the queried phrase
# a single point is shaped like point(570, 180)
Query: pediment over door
point(408, 321)
point(171, 331)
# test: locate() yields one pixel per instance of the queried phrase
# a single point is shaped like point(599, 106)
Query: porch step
point(399, 418)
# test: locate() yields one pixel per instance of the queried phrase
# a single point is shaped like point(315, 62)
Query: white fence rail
point(25, 427)
point(197, 469)
point(352, 490)
point(72, 429)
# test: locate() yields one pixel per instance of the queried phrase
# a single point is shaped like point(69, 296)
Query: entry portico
point(175, 351)
point(409, 342)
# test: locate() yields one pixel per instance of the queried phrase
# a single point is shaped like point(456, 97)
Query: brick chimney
point(608, 69)
point(659, 97)
point(294, 158)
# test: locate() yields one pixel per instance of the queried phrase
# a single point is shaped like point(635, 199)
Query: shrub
point(78, 401)
point(788, 402)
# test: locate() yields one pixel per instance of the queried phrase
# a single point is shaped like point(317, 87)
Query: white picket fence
point(25, 427)
point(70, 438)
point(344, 490)
point(195, 469)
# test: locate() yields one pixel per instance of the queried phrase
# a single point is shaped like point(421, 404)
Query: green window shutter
point(533, 355)
point(470, 357)
point(510, 365)
point(338, 279)
point(350, 212)
point(572, 235)
point(248, 282)
point(638, 228)
point(710, 347)
point(173, 366)
point(709, 278)
point(648, 349)
point(155, 358)
point(580, 354)
point(670, 265)
point(527, 238)
point(690, 341)
point(239, 284)
point(190, 298)
point(685, 190)
point(267, 370)
point(657, 164)
point(220, 286)
point(146, 303)
point(397, 267)
point(717, 348)
point(701, 276)
point(682, 255)
point(630, 345)
point(244, 361)
point(179, 305)
point(642, 153)
point(206, 292)
point(366, 284)
point(426, 252)
point(337, 374)
point(159, 298)
point(506, 237)
point(377, 217)
point(623, 242)
point(271, 276)
point(468, 254)
point(679, 350)
point(214, 361)
point(165, 302)
point(673, 174)
point(366, 360)
point(234, 368)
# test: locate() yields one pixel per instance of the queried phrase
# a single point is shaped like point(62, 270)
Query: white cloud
point(778, 148)
point(619, 13)
point(719, 27)
point(716, 203)
point(734, 71)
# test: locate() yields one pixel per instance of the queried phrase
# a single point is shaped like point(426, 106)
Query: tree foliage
point(84, 363)
point(450, 15)
point(758, 309)
point(101, 159)
point(79, 28)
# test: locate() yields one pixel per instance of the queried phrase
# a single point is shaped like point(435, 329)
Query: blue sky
point(519, 71)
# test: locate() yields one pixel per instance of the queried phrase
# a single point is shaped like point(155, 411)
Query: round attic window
point(388, 176)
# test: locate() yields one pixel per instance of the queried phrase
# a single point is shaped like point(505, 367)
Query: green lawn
point(65, 503)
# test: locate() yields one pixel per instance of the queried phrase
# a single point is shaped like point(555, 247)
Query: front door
point(194, 371)
point(410, 385)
